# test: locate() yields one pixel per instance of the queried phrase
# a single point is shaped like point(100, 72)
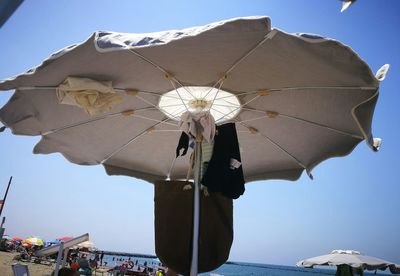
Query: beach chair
point(20, 270)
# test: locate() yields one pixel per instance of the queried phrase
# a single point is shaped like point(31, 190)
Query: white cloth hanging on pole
point(205, 121)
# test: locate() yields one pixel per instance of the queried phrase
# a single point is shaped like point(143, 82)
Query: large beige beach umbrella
point(116, 99)
point(352, 259)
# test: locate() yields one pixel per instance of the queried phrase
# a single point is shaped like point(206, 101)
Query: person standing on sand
point(93, 263)
point(101, 257)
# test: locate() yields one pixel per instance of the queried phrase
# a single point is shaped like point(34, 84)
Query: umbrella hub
point(221, 104)
point(199, 104)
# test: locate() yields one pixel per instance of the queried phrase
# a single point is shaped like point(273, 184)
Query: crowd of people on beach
point(83, 261)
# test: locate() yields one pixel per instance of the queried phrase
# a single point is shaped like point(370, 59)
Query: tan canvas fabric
point(173, 227)
point(94, 97)
point(304, 98)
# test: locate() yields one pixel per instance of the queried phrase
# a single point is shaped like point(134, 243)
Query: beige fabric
point(93, 96)
point(189, 121)
point(322, 93)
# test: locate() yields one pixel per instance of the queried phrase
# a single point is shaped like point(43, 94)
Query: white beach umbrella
point(87, 244)
point(115, 99)
point(351, 258)
point(346, 4)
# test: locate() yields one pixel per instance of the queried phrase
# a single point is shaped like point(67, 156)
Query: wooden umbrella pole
point(196, 206)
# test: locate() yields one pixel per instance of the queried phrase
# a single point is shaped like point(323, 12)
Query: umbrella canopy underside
point(303, 98)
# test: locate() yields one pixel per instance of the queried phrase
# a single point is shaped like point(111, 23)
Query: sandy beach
point(6, 260)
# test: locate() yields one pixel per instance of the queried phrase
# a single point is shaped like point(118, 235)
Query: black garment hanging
point(182, 144)
point(224, 171)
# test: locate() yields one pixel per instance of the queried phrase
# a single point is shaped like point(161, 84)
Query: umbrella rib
point(166, 73)
point(217, 110)
point(236, 95)
point(278, 146)
point(151, 128)
point(237, 62)
point(219, 89)
point(304, 88)
point(146, 92)
point(179, 95)
point(153, 105)
point(224, 105)
point(155, 120)
point(248, 53)
point(91, 120)
point(241, 106)
point(301, 120)
point(121, 90)
point(221, 80)
point(172, 105)
point(167, 130)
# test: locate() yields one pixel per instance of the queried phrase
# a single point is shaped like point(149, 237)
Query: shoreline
point(137, 255)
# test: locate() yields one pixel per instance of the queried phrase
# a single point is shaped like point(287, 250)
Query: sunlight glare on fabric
point(222, 105)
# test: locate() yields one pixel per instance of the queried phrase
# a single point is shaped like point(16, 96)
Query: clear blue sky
point(353, 203)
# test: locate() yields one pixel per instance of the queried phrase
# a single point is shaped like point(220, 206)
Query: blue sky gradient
point(352, 203)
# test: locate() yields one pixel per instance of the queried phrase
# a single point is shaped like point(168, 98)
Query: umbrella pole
point(196, 206)
point(60, 252)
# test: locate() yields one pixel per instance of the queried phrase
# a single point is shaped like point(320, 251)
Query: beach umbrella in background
point(87, 245)
point(52, 242)
point(346, 4)
point(116, 100)
point(33, 241)
point(16, 240)
point(64, 238)
point(350, 258)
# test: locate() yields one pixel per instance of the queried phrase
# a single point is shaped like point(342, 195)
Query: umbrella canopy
point(64, 238)
point(52, 242)
point(86, 244)
point(296, 99)
point(116, 99)
point(351, 258)
point(17, 240)
point(33, 241)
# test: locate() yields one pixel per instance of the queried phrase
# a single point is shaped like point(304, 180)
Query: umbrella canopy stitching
point(368, 137)
point(267, 112)
point(132, 140)
point(101, 118)
point(167, 75)
point(173, 79)
point(256, 132)
point(146, 131)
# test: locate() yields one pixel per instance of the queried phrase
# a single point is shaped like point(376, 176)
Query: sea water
point(239, 268)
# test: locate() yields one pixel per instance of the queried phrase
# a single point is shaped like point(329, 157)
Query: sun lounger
point(20, 270)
